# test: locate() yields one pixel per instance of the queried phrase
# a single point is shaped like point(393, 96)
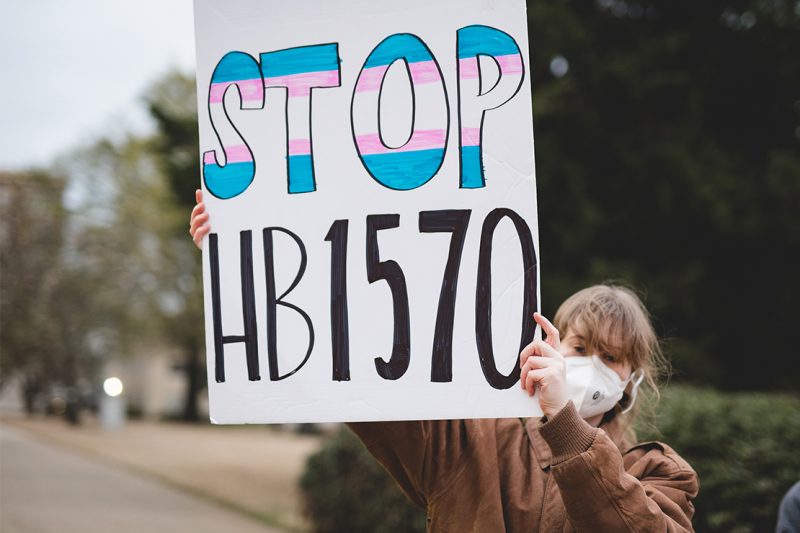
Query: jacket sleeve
point(598, 493)
point(421, 455)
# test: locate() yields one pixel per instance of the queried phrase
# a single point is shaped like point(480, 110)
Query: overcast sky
point(76, 70)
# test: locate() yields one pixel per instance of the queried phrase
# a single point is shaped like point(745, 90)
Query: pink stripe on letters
point(510, 64)
point(370, 79)
point(421, 140)
point(238, 154)
point(251, 90)
point(299, 146)
point(470, 136)
point(424, 72)
point(301, 84)
point(234, 154)
point(468, 68)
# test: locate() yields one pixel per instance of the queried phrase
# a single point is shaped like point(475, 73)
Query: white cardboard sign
point(369, 173)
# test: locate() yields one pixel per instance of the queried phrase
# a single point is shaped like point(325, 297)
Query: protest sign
point(368, 170)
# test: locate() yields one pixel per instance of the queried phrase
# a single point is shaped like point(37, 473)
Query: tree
point(176, 149)
point(31, 241)
point(88, 269)
point(668, 156)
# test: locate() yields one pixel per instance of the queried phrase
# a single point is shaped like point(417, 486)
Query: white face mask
point(594, 388)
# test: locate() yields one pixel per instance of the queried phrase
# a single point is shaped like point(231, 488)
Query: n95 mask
point(594, 388)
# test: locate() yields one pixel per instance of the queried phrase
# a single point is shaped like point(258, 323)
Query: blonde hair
point(611, 318)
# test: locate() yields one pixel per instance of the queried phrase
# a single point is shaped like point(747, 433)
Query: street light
point(113, 386)
point(112, 404)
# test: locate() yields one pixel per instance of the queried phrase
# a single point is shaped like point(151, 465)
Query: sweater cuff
point(567, 434)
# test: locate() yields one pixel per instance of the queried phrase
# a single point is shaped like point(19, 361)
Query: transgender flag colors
point(420, 157)
point(474, 99)
point(241, 71)
point(298, 70)
point(404, 167)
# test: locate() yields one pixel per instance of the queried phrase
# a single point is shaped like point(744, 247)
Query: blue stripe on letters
point(396, 46)
point(230, 180)
point(404, 170)
point(298, 60)
point(235, 66)
point(301, 174)
point(471, 170)
point(474, 40)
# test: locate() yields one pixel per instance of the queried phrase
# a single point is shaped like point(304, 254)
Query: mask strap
point(636, 377)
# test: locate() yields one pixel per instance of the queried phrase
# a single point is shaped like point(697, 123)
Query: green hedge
point(346, 490)
point(744, 446)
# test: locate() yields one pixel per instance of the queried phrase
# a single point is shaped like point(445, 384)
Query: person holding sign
point(575, 469)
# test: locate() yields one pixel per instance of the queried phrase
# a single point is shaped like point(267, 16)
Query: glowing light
point(559, 66)
point(113, 386)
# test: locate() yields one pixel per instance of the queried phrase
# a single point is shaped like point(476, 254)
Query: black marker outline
point(250, 336)
point(483, 113)
point(414, 111)
point(483, 296)
point(340, 329)
point(480, 74)
point(273, 302)
point(391, 272)
point(455, 221)
point(227, 116)
point(310, 110)
point(413, 103)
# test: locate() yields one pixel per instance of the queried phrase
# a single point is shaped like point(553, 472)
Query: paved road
point(47, 489)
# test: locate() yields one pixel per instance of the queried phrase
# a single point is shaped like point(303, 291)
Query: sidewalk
point(47, 488)
point(252, 469)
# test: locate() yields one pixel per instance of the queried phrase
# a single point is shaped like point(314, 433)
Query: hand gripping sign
point(368, 169)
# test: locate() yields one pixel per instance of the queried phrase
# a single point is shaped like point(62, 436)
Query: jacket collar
point(613, 428)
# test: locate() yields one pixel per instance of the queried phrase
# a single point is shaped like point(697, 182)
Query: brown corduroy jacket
point(562, 475)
